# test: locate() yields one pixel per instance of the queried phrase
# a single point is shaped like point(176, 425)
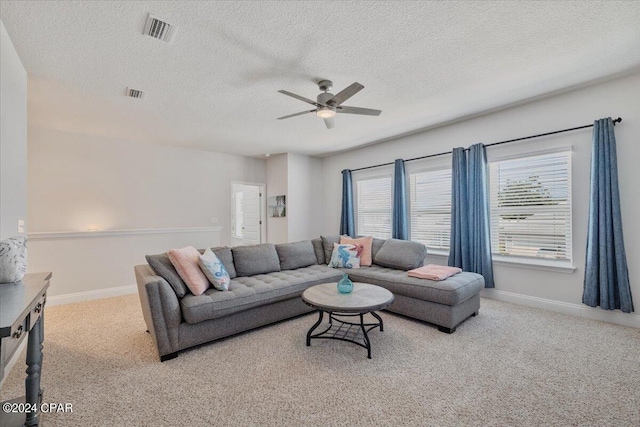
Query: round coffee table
point(363, 299)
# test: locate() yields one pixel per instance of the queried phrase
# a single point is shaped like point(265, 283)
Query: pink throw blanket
point(434, 272)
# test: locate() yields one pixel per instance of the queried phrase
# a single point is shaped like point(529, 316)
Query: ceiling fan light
point(325, 113)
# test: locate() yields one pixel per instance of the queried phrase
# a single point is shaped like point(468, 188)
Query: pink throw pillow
point(366, 242)
point(185, 261)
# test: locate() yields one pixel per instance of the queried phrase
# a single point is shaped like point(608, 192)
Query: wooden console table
point(21, 313)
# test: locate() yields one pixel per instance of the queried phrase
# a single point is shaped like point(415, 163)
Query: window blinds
point(373, 207)
point(531, 206)
point(431, 208)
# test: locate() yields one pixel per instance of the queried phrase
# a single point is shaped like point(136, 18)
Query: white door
point(246, 216)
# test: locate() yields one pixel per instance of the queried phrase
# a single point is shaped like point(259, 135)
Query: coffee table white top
point(363, 299)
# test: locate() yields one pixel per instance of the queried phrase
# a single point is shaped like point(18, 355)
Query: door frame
point(263, 208)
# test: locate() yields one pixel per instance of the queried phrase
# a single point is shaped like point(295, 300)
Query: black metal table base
point(356, 333)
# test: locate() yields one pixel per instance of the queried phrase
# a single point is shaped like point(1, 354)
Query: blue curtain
point(399, 222)
point(606, 278)
point(478, 201)
point(470, 246)
point(347, 222)
point(459, 241)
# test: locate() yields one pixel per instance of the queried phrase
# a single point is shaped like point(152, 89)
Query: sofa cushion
point(451, 291)
point(327, 244)
point(401, 254)
point(255, 259)
point(296, 255)
point(248, 292)
point(319, 250)
point(163, 268)
point(225, 255)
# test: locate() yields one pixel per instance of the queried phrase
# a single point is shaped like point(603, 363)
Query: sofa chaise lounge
point(267, 281)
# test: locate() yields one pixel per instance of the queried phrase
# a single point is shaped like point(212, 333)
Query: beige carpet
point(511, 365)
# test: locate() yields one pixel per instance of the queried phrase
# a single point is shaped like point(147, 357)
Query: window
point(373, 207)
point(531, 207)
point(430, 197)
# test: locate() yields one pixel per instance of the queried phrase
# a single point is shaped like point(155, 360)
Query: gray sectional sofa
point(267, 281)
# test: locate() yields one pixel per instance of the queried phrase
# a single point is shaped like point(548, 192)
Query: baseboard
point(617, 317)
point(91, 295)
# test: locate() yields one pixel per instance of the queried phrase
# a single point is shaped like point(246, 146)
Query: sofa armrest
point(160, 308)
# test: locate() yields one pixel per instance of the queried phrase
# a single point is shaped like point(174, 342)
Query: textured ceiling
point(422, 63)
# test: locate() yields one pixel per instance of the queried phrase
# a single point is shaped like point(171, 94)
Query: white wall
point(299, 177)
point(78, 182)
point(13, 138)
point(92, 265)
point(277, 185)
point(620, 97)
point(304, 200)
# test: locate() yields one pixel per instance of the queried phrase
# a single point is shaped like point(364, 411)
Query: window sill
point(437, 252)
point(533, 264)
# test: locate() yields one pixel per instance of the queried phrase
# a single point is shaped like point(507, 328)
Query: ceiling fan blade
point(301, 98)
point(296, 114)
point(345, 94)
point(331, 123)
point(358, 110)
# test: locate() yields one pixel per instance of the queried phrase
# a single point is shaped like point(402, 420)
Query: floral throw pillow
point(214, 269)
point(13, 259)
point(346, 256)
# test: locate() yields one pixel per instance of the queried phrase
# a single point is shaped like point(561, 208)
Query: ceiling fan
point(328, 104)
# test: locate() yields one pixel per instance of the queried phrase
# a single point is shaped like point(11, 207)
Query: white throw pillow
point(345, 256)
point(13, 259)
point(214, 269)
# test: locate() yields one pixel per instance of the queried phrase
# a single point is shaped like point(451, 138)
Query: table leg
point(366, 337)
point(313, 328)
point(379, 320)
point(34, 364)
point(40, 391)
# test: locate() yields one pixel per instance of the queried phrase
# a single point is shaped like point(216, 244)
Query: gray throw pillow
point(163, 268)
point(327, 243)
point(401, 254)
point(255, 259)
point(225, 255)
point(318, 248)
point(376, 246)
point(13, 259)
point(296, 255)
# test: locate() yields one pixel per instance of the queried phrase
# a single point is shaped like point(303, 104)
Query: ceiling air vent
point(159, 29)
point(135, 93)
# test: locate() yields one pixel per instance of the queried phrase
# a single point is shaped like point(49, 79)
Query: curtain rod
point(618, 120)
